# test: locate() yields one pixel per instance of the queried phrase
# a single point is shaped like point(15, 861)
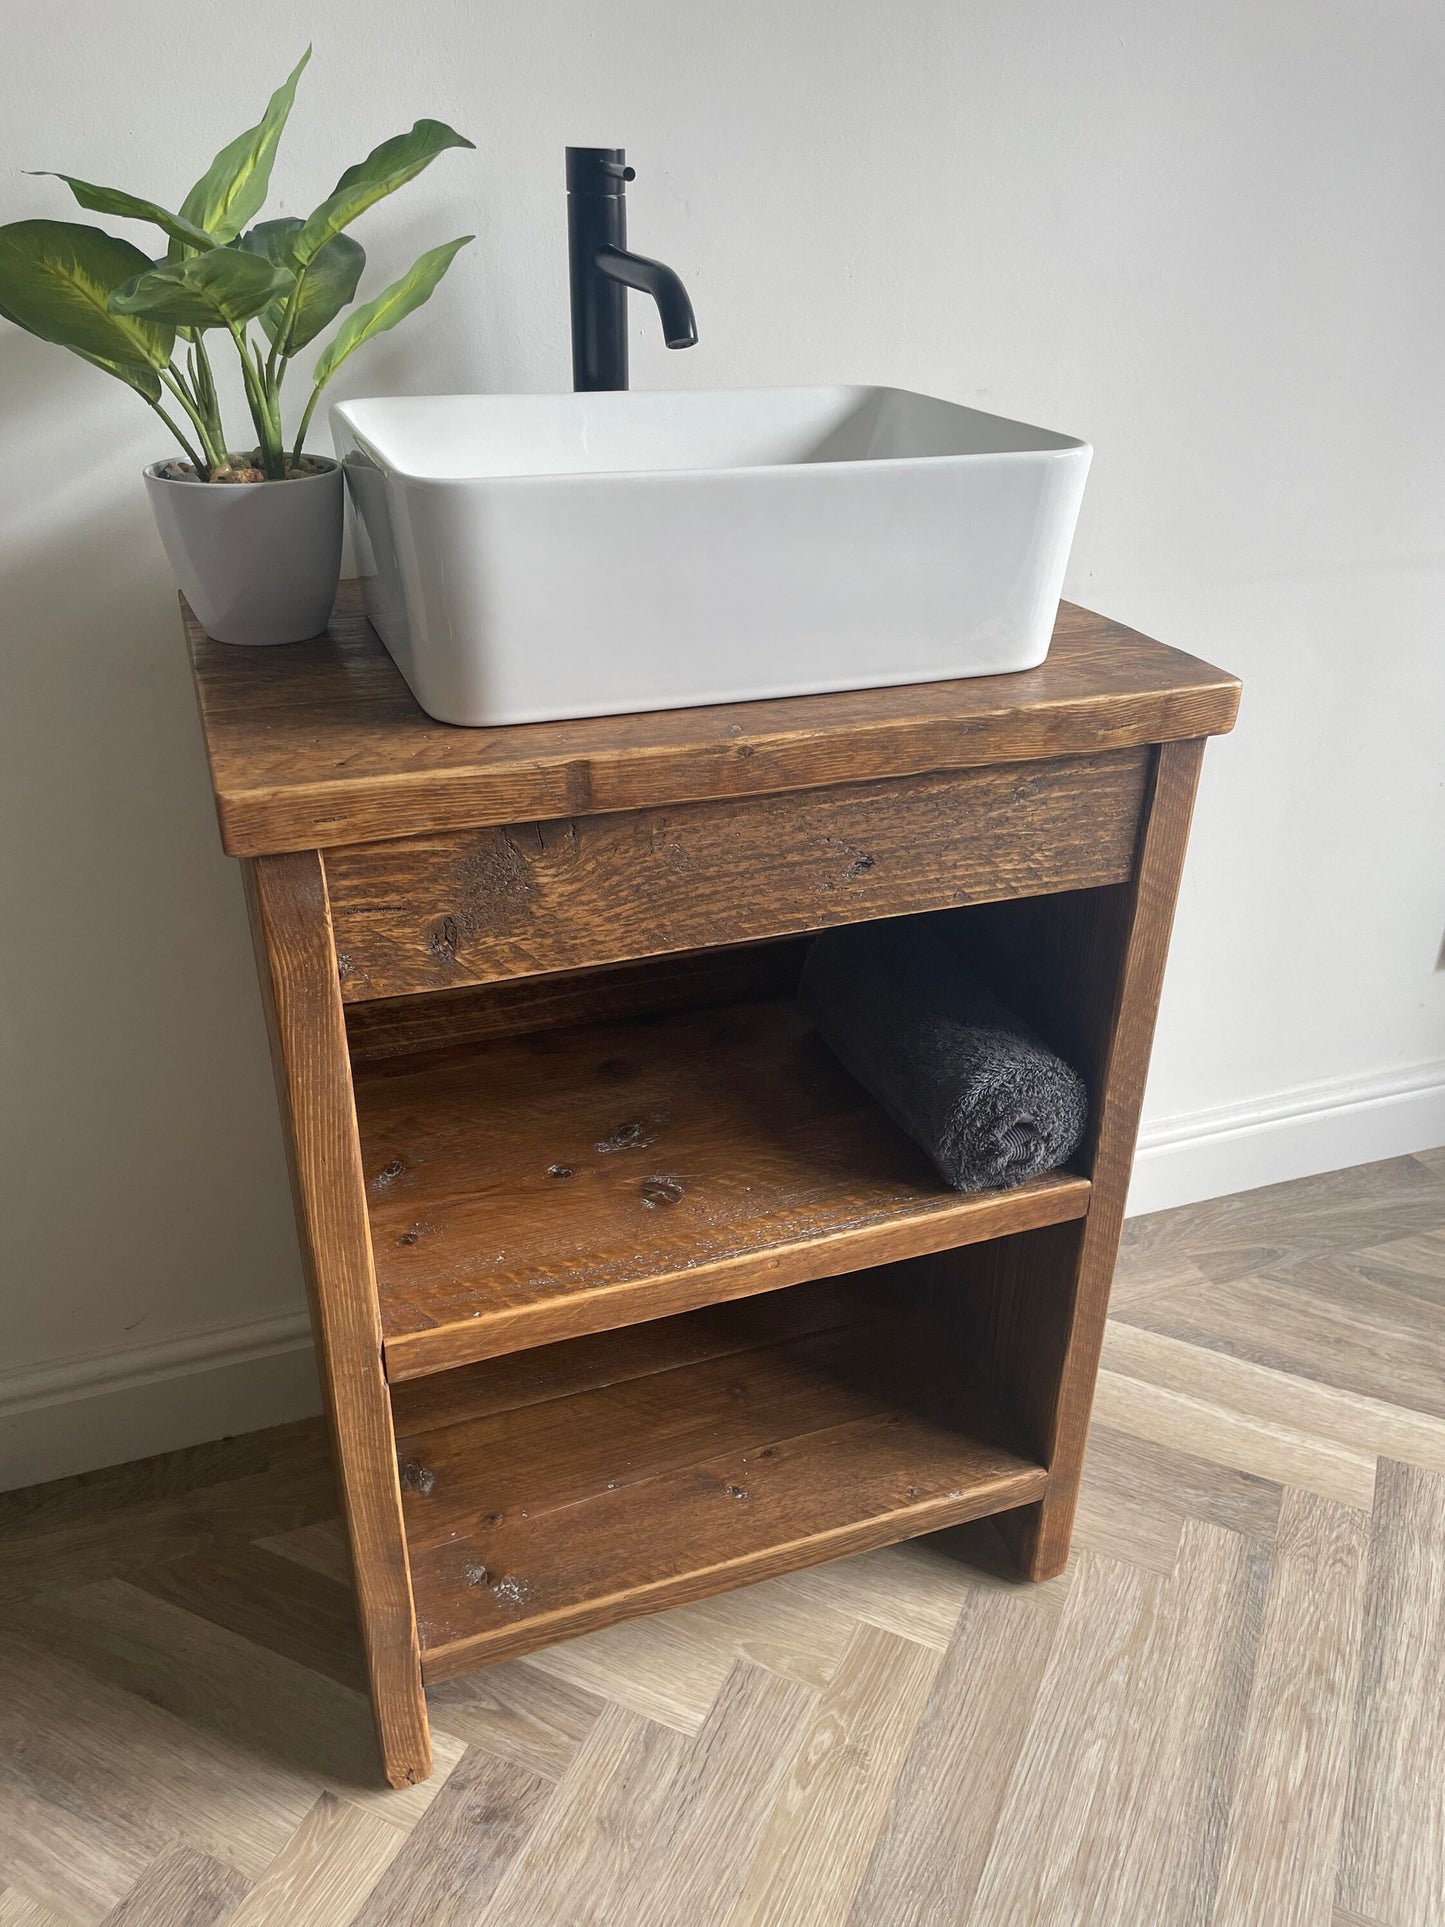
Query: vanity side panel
point(1089, 972)
point(296, 958)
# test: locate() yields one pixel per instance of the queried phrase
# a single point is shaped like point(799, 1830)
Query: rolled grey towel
point(968, 1081)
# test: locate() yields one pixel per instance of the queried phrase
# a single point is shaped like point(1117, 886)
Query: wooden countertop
point(321, 743)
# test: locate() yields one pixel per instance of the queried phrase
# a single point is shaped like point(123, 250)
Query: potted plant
point(254, 537)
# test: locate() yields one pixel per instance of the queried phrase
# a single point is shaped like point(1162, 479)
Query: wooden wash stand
point(623, 1292)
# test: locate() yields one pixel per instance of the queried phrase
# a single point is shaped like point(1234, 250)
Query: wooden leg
point(1088, 970)
point(1042, 1533)
point(291, 921)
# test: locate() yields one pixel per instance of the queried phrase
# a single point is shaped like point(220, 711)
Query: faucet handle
point(598, 170)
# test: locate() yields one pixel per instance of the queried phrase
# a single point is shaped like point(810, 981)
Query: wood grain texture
point(711, 1821)
point(659, 1345)
point(736, 1401)
point(918, 1587)
point(79, 1826)
point(324, 1872)
point(582, 1855)
point(297, 961)
point(322, 743)
point(319, 1548)
point(509, 1211)
point(1263, 1447)
point(533, 1189)
point(458, 1851)
point(1045, 1821)
point(1137, 1492)
point(475, 906)
point(691, 980)
point(1371, 1334)
point(519, 1713)
point(1293, 1768)
point(255, 1592)
point(776, 1624)
point(784, 1631)
point(19, 1910)
point(146, 1720)
point(1367, 1426)
point(957, 1771)
point(1134, 927)
point(140, 1487)
point(182, 1888)
point(1284, 1228)
point(675, 1687)
point(1392, 1865)
point(311, 1733)
point(116, 1537)
point(1138, 1721)
point(537, 1523)
point(816, 1843)
point(1178, 1748)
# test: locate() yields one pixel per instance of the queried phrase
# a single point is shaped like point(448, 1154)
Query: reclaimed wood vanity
point(623, 1292)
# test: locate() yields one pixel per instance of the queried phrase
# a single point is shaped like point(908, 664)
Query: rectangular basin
point(532, 557)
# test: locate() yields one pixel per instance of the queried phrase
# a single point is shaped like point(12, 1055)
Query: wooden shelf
point(530, 1189)
point(554, 1491)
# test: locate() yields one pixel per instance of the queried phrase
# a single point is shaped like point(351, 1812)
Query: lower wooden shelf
point(566, 1488)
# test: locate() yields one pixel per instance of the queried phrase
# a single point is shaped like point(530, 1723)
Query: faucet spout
point(603, 268)
point(679, 324)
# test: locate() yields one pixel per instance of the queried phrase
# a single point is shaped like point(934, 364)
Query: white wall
point(1203, 233)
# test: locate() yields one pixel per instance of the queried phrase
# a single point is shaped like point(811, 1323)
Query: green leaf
point(220, 289)
point(329, 284)
point(235, 185)
point(130, 207)
point(385, 169)
point(145, 381)
point(393, 304)
point(56, 279)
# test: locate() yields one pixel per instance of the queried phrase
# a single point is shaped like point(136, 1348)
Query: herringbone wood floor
point(1231, 1710)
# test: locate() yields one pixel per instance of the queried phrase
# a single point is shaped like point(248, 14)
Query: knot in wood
point(416, 1477)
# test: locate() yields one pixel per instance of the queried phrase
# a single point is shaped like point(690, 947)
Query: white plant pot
point(257, 561)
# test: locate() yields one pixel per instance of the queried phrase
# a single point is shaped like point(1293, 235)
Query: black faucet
point(603, 270)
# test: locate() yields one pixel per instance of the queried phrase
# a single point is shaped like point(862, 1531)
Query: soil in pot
point(240, 468)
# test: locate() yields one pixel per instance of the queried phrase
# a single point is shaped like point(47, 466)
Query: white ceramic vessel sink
point(527, 557)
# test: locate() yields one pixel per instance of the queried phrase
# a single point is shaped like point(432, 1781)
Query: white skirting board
point(106, 1408)
point(1318, 1127)
point(81, 1413)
